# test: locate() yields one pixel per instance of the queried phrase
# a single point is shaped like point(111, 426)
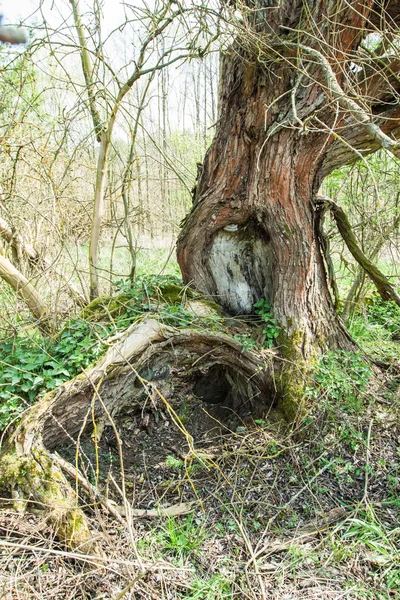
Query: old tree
point(306, 87)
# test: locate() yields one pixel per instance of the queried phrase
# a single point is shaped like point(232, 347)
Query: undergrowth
point(376, 327)
point(255, 502)
point(340, 378)
point(31, 364)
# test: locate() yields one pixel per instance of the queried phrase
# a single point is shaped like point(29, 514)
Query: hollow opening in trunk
point(213, 386)
point(240, 260)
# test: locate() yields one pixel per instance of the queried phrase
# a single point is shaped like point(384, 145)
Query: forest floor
point(266, 512)
point(235, 507)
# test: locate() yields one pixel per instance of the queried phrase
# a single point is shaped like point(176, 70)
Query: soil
point(292, 496)
point(191, 450)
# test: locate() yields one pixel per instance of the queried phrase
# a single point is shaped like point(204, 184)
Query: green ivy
point(341, 377)
point(271, 329)
point(30, 366)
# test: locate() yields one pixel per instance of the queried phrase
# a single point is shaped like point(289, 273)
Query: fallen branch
point(32, 472)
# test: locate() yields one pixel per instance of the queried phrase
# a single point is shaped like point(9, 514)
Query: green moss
point(183, 412)
point(71, 526)
point(33, 474)
point(106, 306)
point(294, 374)
point(36, 477)
point(287, 231)
point(289, 344)
point(94, 307)
point(173, 294)
point(9, 470)
point(176, 294)
point(213, 305)
point(291, 401)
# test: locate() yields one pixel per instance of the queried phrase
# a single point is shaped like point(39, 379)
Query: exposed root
point(128, 375)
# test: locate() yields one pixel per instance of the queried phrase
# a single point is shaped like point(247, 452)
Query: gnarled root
point(127, 374)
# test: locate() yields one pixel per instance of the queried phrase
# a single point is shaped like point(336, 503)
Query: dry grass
point(276, 515)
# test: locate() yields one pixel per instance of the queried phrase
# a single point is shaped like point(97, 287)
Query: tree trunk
point(98, 210)
point(252, 232)
point(292, 108)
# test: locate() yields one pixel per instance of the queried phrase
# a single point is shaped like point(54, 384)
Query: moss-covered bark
point(36, 478)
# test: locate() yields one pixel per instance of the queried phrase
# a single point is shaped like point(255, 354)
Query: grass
point(182, 537)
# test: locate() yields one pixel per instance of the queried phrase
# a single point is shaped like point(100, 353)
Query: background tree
point(368, 191)
point(51, 162)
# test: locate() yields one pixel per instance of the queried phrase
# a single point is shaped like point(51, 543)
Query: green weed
point(30, 366)
point(182, 538)
point(246, 341)
point(215, 588)
point(373, 335)
point(174, 463)
point(271, 328)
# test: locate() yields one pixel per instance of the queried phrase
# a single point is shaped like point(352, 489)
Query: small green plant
point(246, 341)
point(10, 408)
point(271, 328)
point(273, 447)
point(380, 543)
point(177, 316)
point(174, 463)
point(182, 537)
point(216, 588)
point(339, 391)
point(375, 336)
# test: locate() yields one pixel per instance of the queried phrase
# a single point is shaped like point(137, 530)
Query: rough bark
point(291, 110)
point(130, 373)
point(288, 116)
point(252, 232)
